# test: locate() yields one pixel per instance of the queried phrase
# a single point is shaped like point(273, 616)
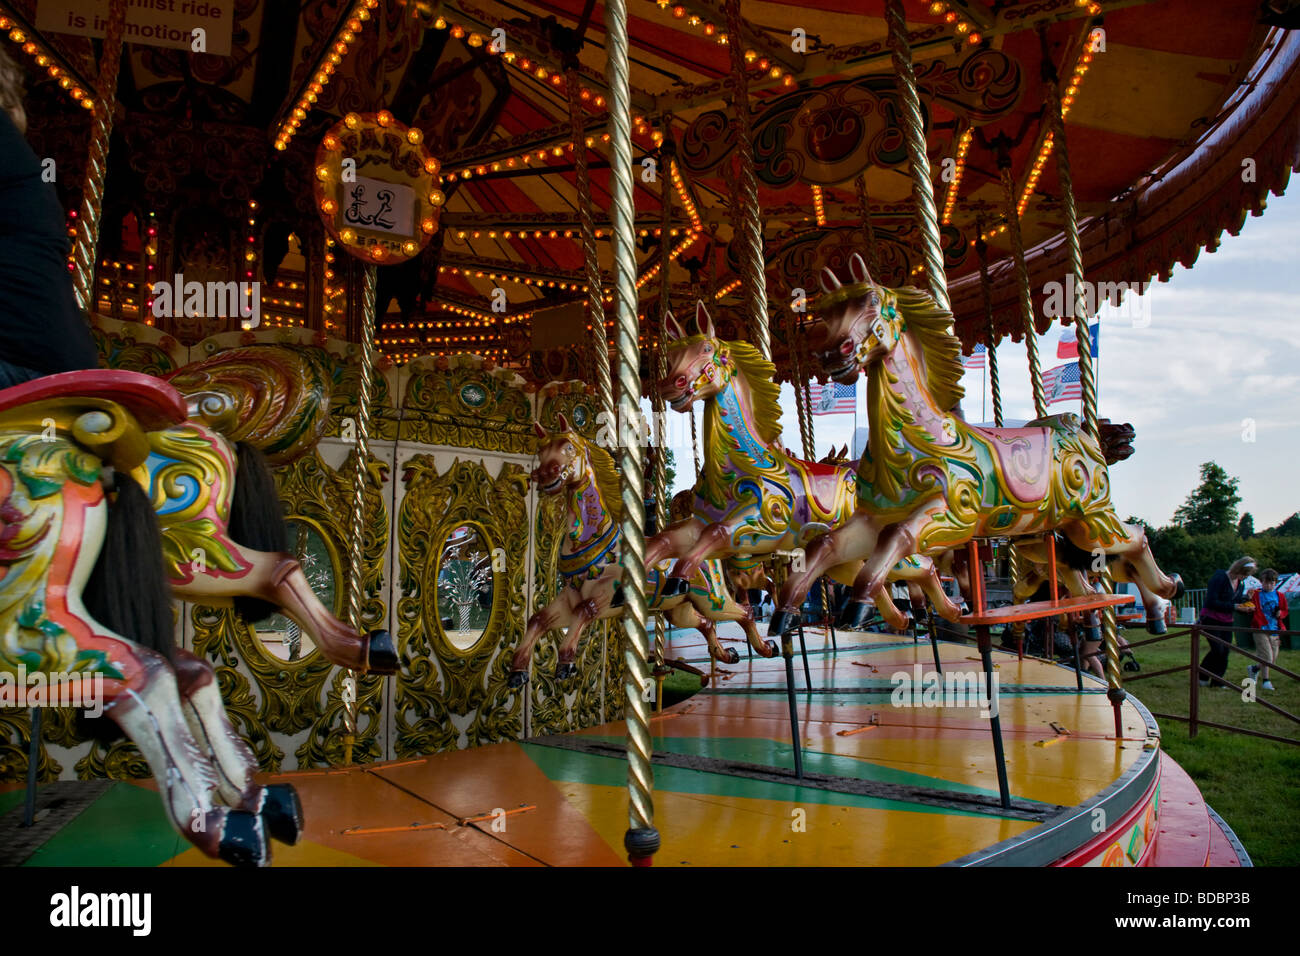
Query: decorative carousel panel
point(576, 401)
point(462, 537)
point(466, 402)
point(136, 347)
point(280, 691)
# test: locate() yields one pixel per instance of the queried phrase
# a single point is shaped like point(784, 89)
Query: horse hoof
point(772, 649)
point(381, 653)
point(755, 596)
point(1156, 625)
point(517, 679)
point(282, 813)
point(565, 670)
point(854, 616)
point(244, 840)
point(674, 587)
point(783, 620)
point(1179, 588)
point(730, 656)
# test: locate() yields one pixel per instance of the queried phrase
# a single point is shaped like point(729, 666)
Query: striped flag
point(1068, 347)
point(1062, 383)
point(833, 398)
point(976, 357)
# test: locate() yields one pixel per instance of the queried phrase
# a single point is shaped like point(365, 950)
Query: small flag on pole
point(976, 357)
point(1062, 383)
point(1068, 347)
point(833, 398)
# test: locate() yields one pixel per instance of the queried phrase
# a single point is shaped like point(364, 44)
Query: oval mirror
point(281, 637)
point(465, 587)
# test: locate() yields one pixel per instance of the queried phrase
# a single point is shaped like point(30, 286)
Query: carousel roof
point(1165, 100)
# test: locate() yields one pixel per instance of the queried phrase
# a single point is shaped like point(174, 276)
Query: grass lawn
point(1253, 784)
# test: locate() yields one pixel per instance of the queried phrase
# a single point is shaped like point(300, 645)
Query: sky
point(1206, 367)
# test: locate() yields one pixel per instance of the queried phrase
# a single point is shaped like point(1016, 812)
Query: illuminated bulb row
point(641, 128)
point(950, 198)
point(767, 69)
point(334, 298)
point(727, 289)
point(1093, 7)
point(250, 261)
point(819, 205)
point(325, 68)
point(47, 60)
point(685, 196)
point(1067, 100)
point(150, 262)
point(525, 280)
point(677, 251)
point(475, 314)
point(716, 32)
point(955, 20)
point(995, 231)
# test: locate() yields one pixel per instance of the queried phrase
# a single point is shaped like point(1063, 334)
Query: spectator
point(41, 329)
point(1224, 595)
point(1270, 616)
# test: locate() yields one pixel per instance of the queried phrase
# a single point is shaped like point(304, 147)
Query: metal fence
point(1187, 609)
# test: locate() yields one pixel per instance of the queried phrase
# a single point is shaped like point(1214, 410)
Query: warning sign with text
point(203, 26)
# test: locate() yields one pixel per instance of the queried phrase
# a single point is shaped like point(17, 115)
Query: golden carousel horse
point(752, 498)
point(928, 481)
point(589, 562)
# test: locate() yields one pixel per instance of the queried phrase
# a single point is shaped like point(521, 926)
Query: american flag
point(1062, 383)
point(833, 398)
point(976, 357)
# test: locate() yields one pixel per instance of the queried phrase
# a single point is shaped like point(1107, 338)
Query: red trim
point(151, 400)
point(1097, 846)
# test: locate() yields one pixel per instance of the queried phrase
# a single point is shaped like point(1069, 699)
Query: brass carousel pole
point(868, 229)
point(1088, 383)
point(357, 529)
point(751, 231)
point(86, 241)
point(809, 442)
point(1022, 285)
point(982, 250)
point(656, 399)
point(918, 160)
point(641, 839)
point(591, 260)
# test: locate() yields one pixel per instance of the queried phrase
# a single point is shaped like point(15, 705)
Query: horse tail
point(128, 591)
point(256, 519)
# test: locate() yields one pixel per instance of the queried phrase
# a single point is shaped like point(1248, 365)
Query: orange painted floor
point(912, 781)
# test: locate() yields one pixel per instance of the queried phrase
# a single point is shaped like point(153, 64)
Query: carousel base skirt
point(897, 770)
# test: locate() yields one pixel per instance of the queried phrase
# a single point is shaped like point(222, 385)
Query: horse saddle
point(107, 411)
point(1024, 460)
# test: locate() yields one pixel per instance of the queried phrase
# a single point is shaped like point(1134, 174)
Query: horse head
point(698, 365)
point(861, 320)
point(562, 458)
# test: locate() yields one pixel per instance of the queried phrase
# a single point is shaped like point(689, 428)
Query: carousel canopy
point(1180, 116)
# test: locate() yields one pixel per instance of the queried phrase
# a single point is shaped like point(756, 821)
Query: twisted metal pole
point(918, 160)
point(86, 241)
point(656, 399)
point(1088, 382)
point(800, 391)
point(357, 528)
point(591, 259)
point(1026, 296)
point(641, 839)
point(868, 229)
point(982, 250)
point(751, 233)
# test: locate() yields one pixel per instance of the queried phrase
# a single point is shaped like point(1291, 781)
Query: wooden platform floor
point(563, 802)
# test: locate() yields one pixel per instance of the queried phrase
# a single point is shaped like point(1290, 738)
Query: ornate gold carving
point(467, 406)
point(437, 682)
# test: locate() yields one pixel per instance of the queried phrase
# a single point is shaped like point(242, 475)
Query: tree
point(1212, 507)
point(1246, 526)
point(1290, 528)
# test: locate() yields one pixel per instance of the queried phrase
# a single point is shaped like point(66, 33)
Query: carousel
point(361, 538)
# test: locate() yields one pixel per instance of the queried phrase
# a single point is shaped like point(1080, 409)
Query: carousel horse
point(752, 498)
point(81, 568)
point(589, 562)
point(225, 540)
point(929, 482)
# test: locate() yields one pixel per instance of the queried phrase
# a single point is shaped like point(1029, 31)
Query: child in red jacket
point(1270, 617)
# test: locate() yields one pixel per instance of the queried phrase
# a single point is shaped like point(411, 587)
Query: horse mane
point(607, 483)
point(760, 375)
point(884, 465)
